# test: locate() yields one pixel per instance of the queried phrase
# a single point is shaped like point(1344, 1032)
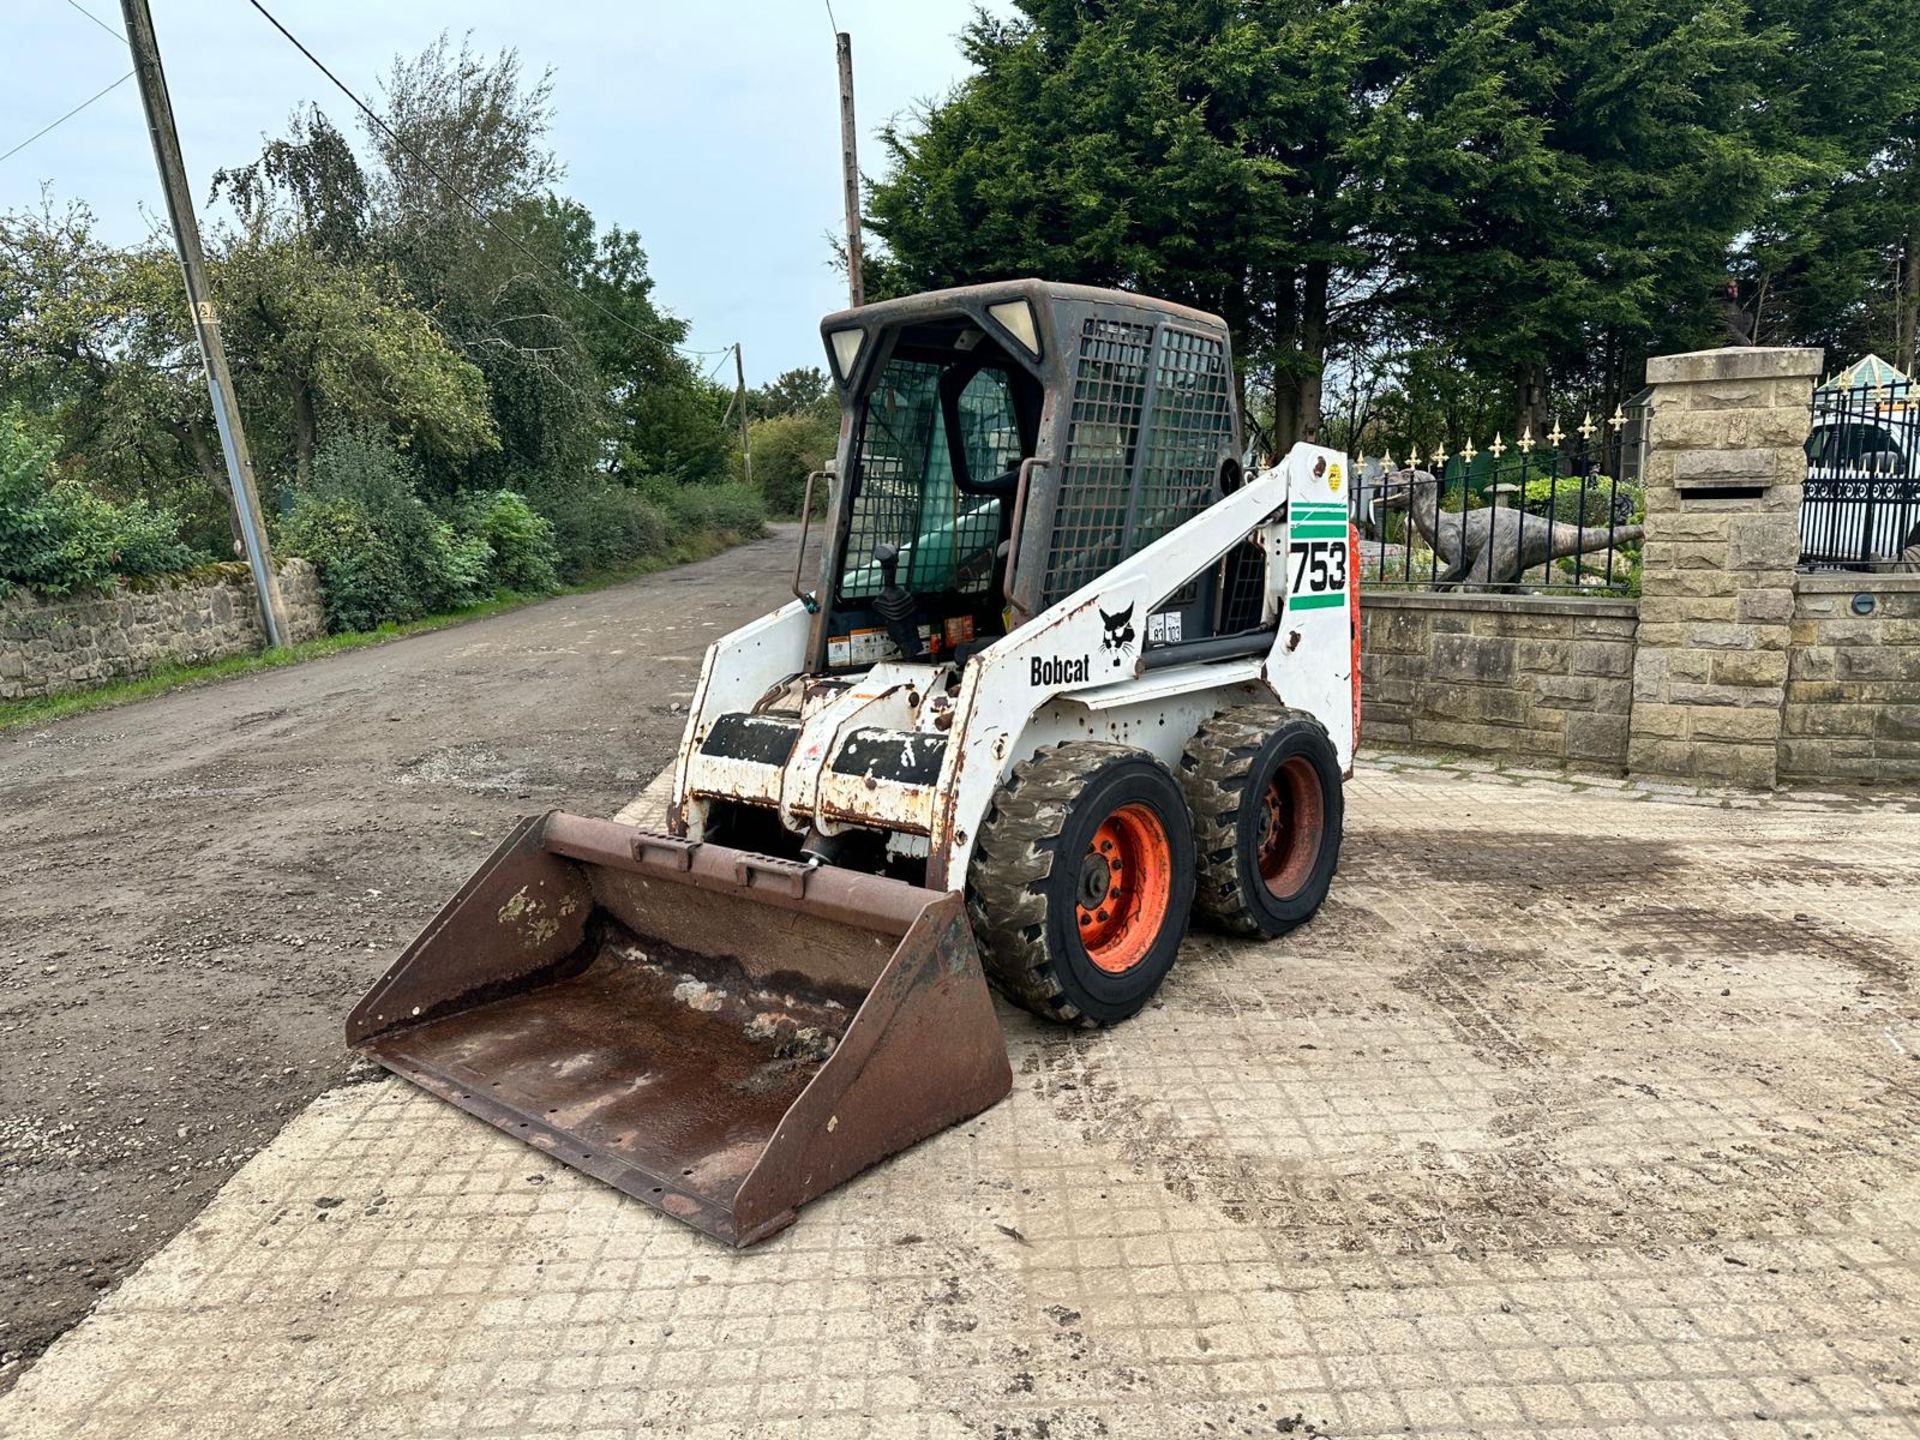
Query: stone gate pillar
point(1724, 468)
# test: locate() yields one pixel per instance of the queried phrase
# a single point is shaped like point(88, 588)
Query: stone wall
point(47, 646)
point(1853, 680)
point(1723, 476)
point(1527, 677)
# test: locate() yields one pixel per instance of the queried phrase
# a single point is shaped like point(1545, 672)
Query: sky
point(712, 129)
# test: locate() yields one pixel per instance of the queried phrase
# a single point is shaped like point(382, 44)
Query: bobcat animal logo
point(1119, 630)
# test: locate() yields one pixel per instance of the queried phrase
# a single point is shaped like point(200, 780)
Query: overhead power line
point(47, 130)
point(472, 206)
point(75, 4)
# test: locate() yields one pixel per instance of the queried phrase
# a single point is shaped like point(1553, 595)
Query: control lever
point(895, 603)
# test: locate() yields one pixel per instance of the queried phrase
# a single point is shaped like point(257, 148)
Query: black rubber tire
point(1226, 770)
point(1022, 904)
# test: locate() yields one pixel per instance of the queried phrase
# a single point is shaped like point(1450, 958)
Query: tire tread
point(1013, 860)
point(1213, 774)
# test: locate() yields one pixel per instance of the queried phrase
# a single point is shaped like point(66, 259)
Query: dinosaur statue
point(1496, 546)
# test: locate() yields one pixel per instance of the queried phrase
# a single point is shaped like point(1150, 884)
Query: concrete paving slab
point(1572, 1114)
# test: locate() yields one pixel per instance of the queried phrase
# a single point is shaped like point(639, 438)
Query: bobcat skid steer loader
point(1065, 679)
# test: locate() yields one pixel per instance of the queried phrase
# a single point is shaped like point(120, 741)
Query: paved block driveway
point(1579, 1111)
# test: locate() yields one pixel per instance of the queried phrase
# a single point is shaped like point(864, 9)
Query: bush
point(383, 555)
point(1589, 502)
point(522, 553)
point(785, 451)
point(730, 509)
point(598, 525)
point(57, 536)
point(364, 581)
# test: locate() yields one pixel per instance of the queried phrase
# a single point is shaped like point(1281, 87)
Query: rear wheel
point(1264, 787)
point(1079, 889)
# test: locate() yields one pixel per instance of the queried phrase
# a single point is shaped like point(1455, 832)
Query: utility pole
point(740, 399)
point(850, 170)
point(206, 320)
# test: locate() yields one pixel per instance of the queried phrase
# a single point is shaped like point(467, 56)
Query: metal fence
point(1558, 513)
point(1861, 506)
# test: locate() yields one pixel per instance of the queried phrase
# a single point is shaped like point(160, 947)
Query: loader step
point(901, 757)
point(763, 739)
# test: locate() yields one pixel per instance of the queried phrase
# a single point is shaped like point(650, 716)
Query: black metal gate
point(1861, 506)
point(1557, 513)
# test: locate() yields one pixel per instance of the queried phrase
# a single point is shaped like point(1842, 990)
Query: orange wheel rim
point(1125, 883)
point(1293, 820)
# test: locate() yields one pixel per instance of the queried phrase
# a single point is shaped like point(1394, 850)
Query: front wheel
point(1265, 790)
point(1081, 884)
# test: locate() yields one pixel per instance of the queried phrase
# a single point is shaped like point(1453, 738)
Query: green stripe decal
point(1339, 510)
point(1316, 602)
point(1316, 530)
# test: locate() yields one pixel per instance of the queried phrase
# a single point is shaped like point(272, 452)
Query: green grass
point(45, 709)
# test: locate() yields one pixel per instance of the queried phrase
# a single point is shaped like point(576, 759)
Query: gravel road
point(197, 888)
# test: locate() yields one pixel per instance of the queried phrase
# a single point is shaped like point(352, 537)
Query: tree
point(1538, 192)
point(802, 391)
point(312, 179)
point(1835, 261)
point(319, 322)
point(559, 317)
point(467, 121)
point(665, 418)
point(1594, 222)
point(787, 449)
point(431, 301)
point(1229, 156)
point(315, 336)
point(95, 339)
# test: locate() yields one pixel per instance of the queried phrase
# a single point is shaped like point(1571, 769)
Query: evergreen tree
point(1835, 261)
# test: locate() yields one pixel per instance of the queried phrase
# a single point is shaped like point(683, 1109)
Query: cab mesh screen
point(1149, 423)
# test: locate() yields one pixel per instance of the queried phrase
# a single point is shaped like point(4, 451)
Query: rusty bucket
point(722, 1035)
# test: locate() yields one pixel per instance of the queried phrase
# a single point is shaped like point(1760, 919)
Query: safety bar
point(1019, 615)
point(804, 596)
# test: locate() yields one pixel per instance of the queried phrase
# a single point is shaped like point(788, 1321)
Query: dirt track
point(198, 886)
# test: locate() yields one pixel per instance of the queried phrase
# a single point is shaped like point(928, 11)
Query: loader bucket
point(722, 1035)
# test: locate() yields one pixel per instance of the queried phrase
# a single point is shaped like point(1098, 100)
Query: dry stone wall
point(50, 646)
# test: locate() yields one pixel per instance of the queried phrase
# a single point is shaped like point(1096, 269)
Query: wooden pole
point(740, 399)
point(850, 171)
point(206, 319)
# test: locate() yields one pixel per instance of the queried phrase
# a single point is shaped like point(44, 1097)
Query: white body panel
point(1073, 672)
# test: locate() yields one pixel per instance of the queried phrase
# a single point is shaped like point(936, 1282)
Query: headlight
point(1017, 316)
point(847, 345)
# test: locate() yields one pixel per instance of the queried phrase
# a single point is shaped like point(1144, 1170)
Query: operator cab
point(1004, 445)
